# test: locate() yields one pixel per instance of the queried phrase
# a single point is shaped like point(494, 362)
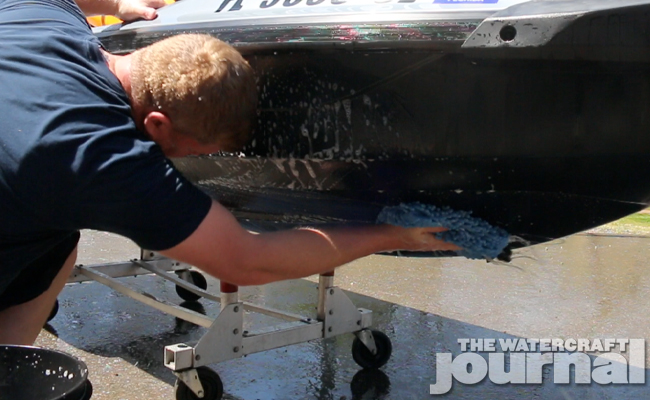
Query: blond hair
point(202, 84)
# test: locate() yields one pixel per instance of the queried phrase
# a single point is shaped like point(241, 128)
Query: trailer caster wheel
point(212, 386)
point(197, 279)
point(365, 358)
point(55, 310)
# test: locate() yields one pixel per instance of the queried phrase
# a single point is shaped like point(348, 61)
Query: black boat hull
point(541, 141)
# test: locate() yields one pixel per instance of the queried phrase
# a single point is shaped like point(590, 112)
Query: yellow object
point(101, 20)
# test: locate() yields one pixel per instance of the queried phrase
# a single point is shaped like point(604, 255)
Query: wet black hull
point(543, 141)
point(541, 148)
point(531, 212)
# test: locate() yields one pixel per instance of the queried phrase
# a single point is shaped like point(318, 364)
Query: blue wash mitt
point(477, 238)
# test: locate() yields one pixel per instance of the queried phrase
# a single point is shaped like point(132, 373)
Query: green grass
point(635, 224)
point(638, 223)
point(635, 219)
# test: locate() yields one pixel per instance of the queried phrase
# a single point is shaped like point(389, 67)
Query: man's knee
point(36, 278)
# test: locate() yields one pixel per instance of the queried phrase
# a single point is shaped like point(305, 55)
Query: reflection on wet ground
point(579, 287)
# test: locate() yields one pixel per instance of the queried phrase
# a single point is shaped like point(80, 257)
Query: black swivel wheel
point(197, 279)
point(365, 358)
point(212, 386)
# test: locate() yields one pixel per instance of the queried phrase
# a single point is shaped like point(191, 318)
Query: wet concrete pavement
point(583, 286)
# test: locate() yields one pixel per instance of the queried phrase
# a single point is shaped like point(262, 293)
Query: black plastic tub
point(33, 373)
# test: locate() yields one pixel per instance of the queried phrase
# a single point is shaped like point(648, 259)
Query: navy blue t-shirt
point(70, 155)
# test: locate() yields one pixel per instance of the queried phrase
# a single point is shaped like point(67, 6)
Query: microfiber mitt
point(477, 238)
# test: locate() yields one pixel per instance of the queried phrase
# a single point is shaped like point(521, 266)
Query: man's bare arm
point(222, 248)
point(127, 10)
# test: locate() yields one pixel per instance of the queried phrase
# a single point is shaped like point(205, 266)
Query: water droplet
point(347, 106)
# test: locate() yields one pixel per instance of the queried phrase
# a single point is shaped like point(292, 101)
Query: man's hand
point(129, 10)
point(421, 239)
point(222, 248)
